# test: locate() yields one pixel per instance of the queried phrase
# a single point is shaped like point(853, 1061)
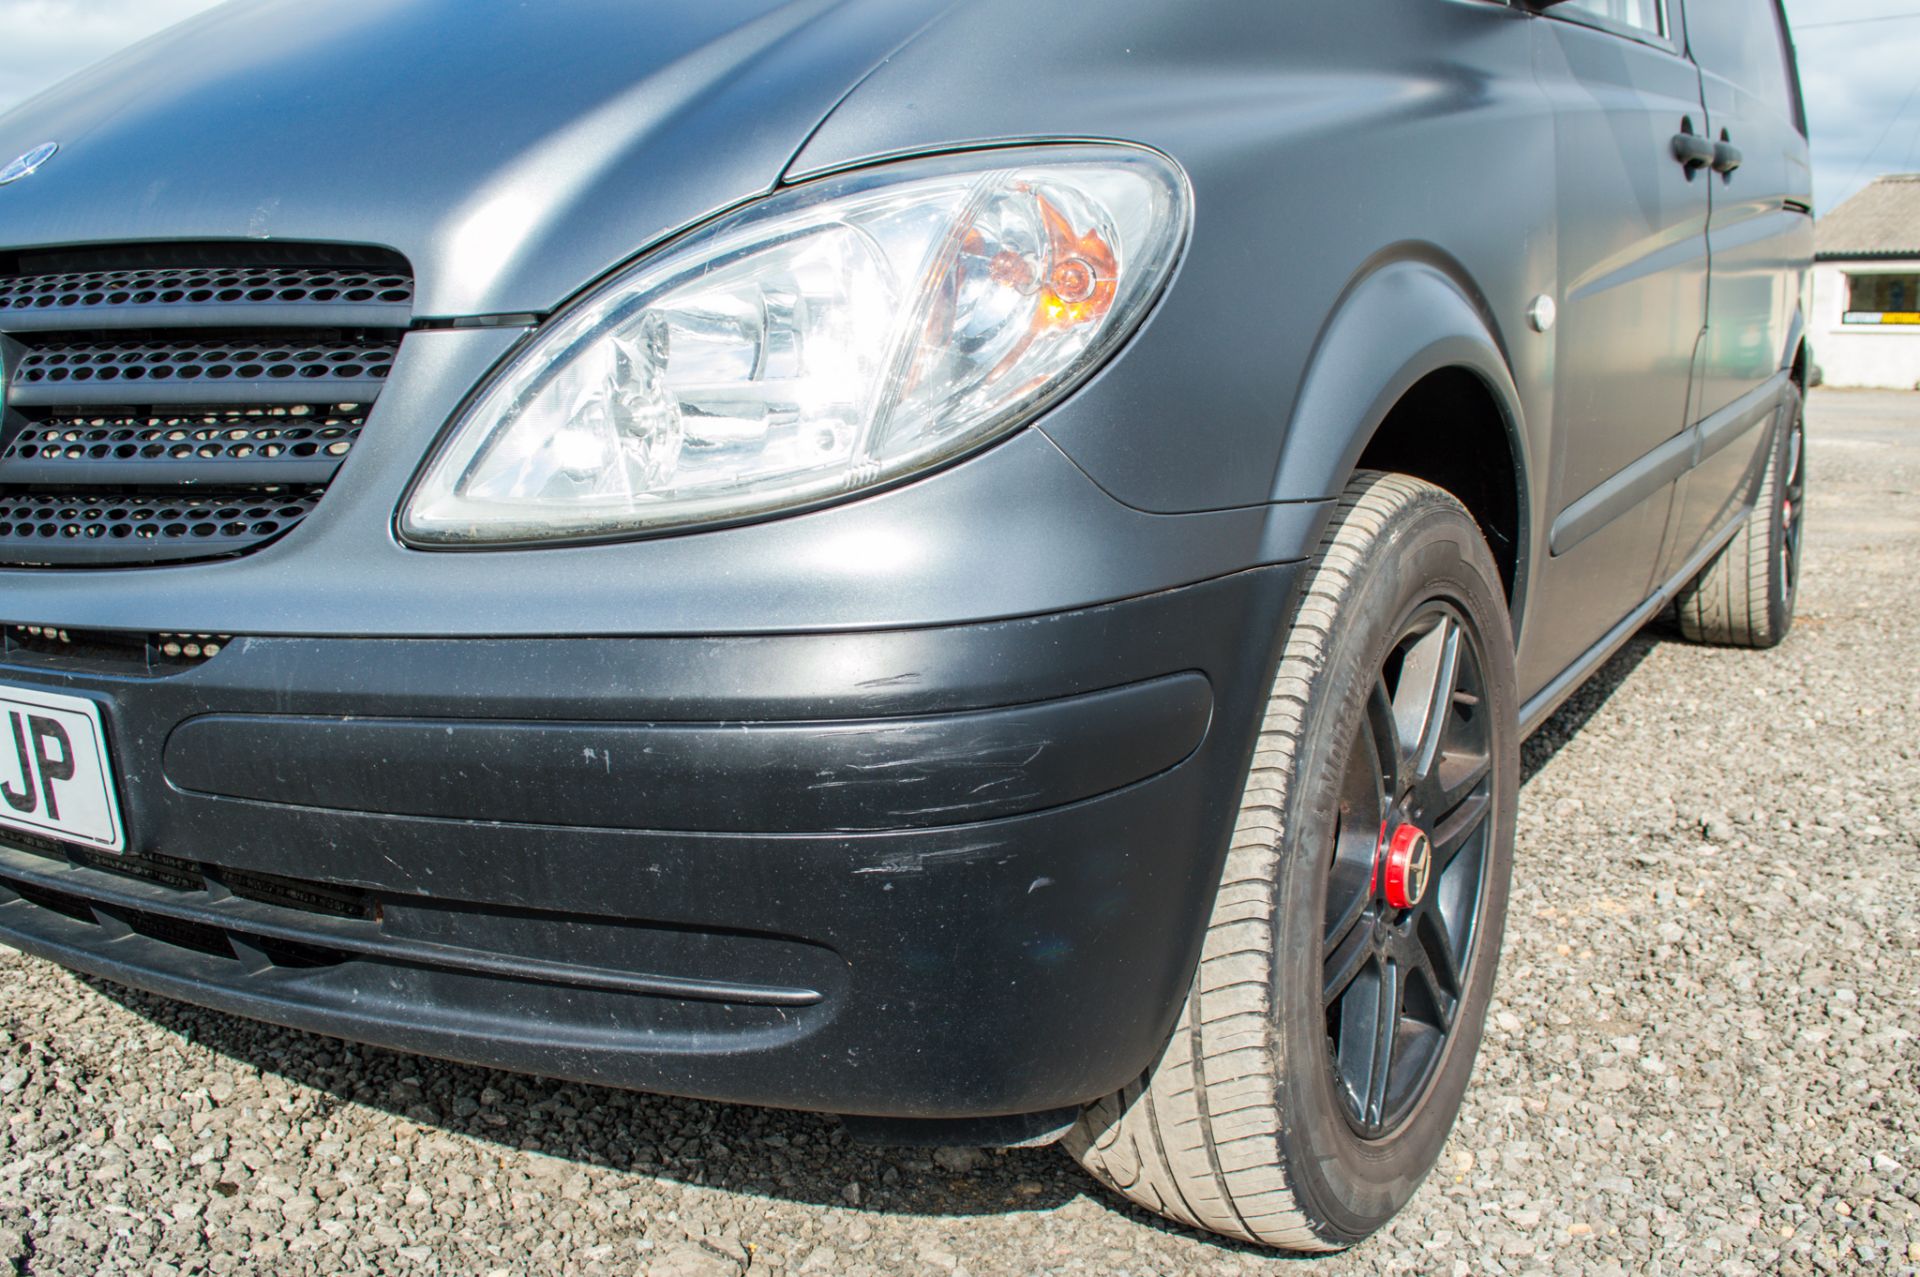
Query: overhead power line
point(1854, 22)
point(1892, 120)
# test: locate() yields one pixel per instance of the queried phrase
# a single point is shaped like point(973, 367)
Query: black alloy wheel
point(1317, 1064)
point(1401, 913)
point(1793, 499)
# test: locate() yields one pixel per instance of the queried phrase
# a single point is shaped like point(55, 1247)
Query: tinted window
point(1642, 15)
point(1742, 41)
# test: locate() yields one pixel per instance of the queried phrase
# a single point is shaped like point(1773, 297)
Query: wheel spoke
point(1383, 730)
point(1345, 961)
point(1437, 963)
point(1428, 678)
point(1349, 917)
point(1454, 785)
point(1457, 826)
point(1386, 1027)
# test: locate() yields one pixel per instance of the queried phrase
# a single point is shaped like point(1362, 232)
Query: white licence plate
point(54, 775)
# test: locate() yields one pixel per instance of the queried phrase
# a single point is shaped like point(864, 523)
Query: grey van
point(976, 565)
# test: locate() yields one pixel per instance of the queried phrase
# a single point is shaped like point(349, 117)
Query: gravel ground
point(1703, 1056)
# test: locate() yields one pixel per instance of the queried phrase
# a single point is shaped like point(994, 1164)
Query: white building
point(1865, 328)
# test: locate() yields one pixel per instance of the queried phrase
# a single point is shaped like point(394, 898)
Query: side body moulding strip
point(1568, 681)
point(1663, 465)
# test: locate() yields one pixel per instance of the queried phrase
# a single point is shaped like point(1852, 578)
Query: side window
point(1744, 42)
point(1641, 15)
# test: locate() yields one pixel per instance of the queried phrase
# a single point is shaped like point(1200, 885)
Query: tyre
point(1320, 1057)
point(1745, 597)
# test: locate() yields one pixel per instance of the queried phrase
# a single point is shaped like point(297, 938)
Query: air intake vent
point(186, 372)
point(160, 412)
point(80, 529)
point(206, 296)
point(297, 443)
point(118, 652)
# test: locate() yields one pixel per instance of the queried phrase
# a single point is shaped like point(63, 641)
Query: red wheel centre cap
point(1409, 863)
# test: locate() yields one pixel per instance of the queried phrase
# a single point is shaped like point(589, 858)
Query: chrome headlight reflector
point(830, 338)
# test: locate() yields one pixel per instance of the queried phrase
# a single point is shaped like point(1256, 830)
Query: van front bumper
point(921, 873)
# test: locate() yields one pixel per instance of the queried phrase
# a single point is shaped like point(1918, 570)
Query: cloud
point(1856, 79)
point(44, 41)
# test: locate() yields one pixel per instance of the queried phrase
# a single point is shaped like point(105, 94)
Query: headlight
point(828, 339)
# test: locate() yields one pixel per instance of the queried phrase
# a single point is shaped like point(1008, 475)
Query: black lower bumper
point(934, 873)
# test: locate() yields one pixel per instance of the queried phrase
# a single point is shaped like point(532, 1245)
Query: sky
point(1859, 66)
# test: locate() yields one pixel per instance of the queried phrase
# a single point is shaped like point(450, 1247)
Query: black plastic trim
point(105, 318)
point(761, 777)
point(192, 477)
point(1663, 465)
point(245, 917)
point(197, 392)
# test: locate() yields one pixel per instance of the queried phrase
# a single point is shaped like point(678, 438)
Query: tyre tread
point(1198, 1137)
point(1731, 602)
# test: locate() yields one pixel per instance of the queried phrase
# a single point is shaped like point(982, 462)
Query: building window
point(1883, 299)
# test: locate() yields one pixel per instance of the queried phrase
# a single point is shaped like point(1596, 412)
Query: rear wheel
point(1745, 598)
point(1327, 1039)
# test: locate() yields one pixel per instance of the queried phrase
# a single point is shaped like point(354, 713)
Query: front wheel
point(1328, 1036)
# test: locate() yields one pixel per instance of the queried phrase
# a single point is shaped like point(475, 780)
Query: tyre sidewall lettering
point(1353, 1184)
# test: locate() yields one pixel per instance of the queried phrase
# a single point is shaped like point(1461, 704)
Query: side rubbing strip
point(1740, 416)
point(1663, 465)
point(1623, 492)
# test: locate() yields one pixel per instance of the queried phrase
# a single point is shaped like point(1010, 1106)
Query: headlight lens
point(828, 339)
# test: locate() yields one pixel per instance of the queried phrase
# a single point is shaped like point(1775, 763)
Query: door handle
point(1693, 151)
point(1726, 156)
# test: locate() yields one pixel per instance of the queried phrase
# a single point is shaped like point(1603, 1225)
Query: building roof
point(1882, 220)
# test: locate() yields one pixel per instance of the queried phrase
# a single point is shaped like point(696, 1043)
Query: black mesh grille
point(162, 412)
point(75, 907)
point(70, 528)
point(169, 371)
point(178, 932)
point(201, 286)
point(288, 443)
point(293, 893)
point(119, 652)
point(348, 296)
point(166, 871)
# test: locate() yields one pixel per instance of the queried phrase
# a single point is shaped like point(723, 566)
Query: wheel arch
point(1412, 340)
point(1798, 355)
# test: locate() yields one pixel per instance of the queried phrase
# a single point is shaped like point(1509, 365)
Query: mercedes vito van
point(977, 565)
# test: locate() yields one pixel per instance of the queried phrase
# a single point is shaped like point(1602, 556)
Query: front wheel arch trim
point(1398, 323)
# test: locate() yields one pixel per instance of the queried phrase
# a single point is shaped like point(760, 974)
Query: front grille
point(169, 372)
point(160, 413)
point(291, 443)
point(293, 893)
point(203, 294)
point(182, 879)
point(294, 924)
point(178, 874)
point(118, 652)
point(84, 529)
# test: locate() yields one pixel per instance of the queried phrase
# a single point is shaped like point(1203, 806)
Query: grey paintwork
point(1383, 188)
point(512, 151)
